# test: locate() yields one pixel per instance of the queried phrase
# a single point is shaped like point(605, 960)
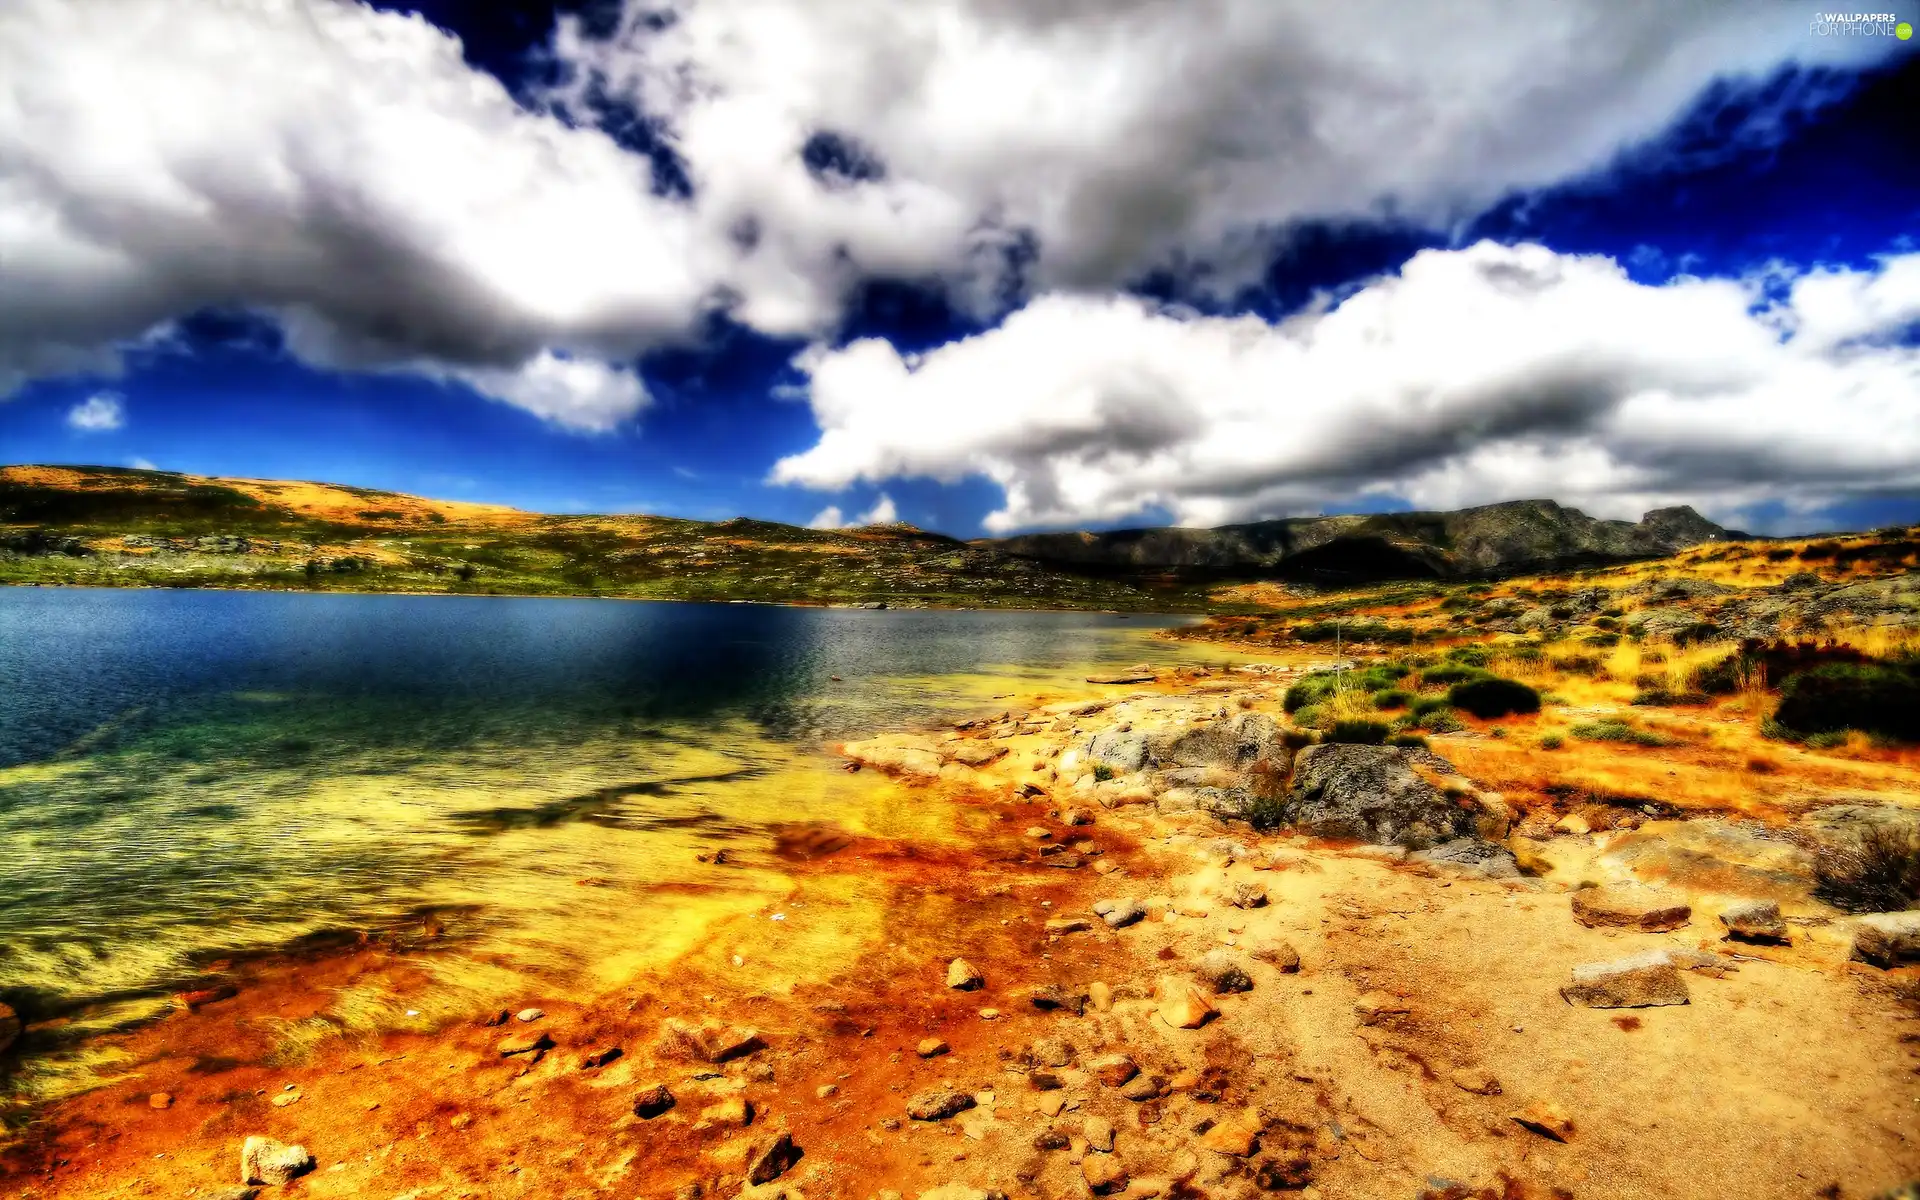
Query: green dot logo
point(1903, 31)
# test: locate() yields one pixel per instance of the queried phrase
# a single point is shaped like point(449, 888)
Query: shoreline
point(1344, 1072)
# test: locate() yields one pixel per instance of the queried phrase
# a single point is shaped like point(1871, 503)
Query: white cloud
point(344, 171)
point(143, 464)
point(1471, 376)
point(102, 412)
point(883, 512)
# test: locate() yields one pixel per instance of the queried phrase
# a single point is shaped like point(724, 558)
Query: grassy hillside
point(125, 528)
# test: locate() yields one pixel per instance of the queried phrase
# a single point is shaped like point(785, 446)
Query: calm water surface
point(188, 774)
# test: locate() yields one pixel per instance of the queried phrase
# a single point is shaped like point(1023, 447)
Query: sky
point(986, 266)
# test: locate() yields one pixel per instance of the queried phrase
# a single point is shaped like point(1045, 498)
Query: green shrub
point(1440, 720)
point(1102, 772)
point(1389, 699)
point(1877, 699)
point(1359, 733)
point(1407, 739)
point(1313, 716)
point(1422, 705)
point(1450, 673)
point(1493, 696)
point(1601, 640)
point(1619, 731)
point(1606, 623)
point(1472, 656)
point(1311, 689)
point(1552, 741)
point(1264, 811)
point(1660, 697)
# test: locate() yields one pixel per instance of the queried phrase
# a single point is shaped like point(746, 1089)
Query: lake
point(188, 775)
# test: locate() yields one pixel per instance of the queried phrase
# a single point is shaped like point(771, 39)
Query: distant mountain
point(1493, 539)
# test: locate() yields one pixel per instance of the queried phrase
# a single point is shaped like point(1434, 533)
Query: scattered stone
point(1235, 1136)
point(1374, 794)
point(160, 1100)
point(962, 975)
point(1547, 1119)
point(938, 1105)
point(1289, 1172)
point(1247, 894)
point(1030, 790)
point(601, 1057)
point(1045, 1081)
point(533, 1042)
point(1641, 909)
point(1182, 1005)
point(1113, 1069)
point(977, 754)
point(1471, 855)
point(825, 1090)
point(1103, 1173)
point(989, 1014)
point(733, 1111)
point(1051, 1139)
point(775, 1159)
point(1573, 824)
point(1376, 1006)
point(1119, 913)
point(1475, 1080)
point(1100, 996)
point(1075, 816)
point(1755, 921)
point(1052, 997)
point(230, 1193)
point(1144, 1087)
point(285, 1098)
point(192, 1000)
point(653, 1102)
point(498, 1019)
point(1099, 1134)
point(931, 1048)
point(530, 1015)
point(1222, 971)
point(708, 1042)
point(1640, 981)
point(276, 1164)
point(1280, 954)
point(1050, 1052)
point(898, 754)
point(1887, 939)
point(1063, 925)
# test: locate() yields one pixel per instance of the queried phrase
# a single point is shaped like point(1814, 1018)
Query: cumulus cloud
point(102, 412)
point(343, 170)
point(1471, 376)
point(882, 513)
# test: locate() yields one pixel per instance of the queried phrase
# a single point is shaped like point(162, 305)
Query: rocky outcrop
point(1381, 794)
point(1887, 939)
point(1642, 909)
point(1641, 981)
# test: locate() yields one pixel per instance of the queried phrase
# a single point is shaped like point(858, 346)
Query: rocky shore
point(1186, 951)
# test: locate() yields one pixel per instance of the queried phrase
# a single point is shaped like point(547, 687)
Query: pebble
point(1181, 1004)
point(931, 1048)
point(653, 1102)
point(529, 1015)
point(1547, 1119)
point(938, 1105)
point(160, 1100)
point(962, 975)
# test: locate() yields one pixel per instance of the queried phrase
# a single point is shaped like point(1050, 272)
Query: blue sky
point(1794, 161)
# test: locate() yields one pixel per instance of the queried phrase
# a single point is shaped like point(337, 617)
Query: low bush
point(1422, 705)
point(1310, 689)
point(1472, 656)
point(1882, 700)
point(1662, 697)
point(1493, 696)
point(1552, 741)
point(1407, 739)
point(1440, 720)
point(1388, 699)
point(1359, 733)
point(1102, 772)
point(1450, 673)
point(1878, 871)
point(1619, 731)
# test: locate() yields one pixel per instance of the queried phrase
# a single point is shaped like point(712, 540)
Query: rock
point(1075, 816)
point(1050, 1052)
point(1573, 824)
point(1182, 1005)
point(265, 1161)
point(1236, 1135)
point(1039, 833)
point(1547, 1119)
point(530, 1015)
point(1103, 1173)
point(707, 1042)
point(601, 1057)
point(1237, 744)
point(653, 1102)
point(962, 975)
point(1062, 925)
point(1119, 913)
point(931, 1048)
point(826, 1090)
point(1045, 1081)
point(976, 754)
point(1475, 1080)
point(1051, 997)
point(160, 1100)
point(1222, 971)
point(1375, 794)
point(1113, 1069)
point(229, 1193)
point(938, 1105)
point(897, 753)
point(1099, 1134)
point(1755, 921)
point(1279, 954)
point(1100, 996)
point(1640, 981)
point(732, 1111)
point(1376, 1006)
point(9, 1027)
point(1887, 939)
point(1121, 751)
point(1143, 1087)
point(1495, 862)
point(769, 1162)
point(1636, 908)
point(1028, 791)
point(1246, 894)
point(524, 1043)
point(285, 1098)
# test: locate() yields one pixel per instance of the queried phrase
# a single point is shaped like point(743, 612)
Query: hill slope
point(1522, 535)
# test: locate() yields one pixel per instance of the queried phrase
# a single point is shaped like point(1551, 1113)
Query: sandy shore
point(1267, 1013)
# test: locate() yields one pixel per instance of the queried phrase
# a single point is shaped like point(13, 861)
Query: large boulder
point(897, 754)
point(1887, 939)
point(1644, 980)
point(1645, 910)
point(265, 1161)
point(1121, 751)
point(1380, 794)
point(1235, 743)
